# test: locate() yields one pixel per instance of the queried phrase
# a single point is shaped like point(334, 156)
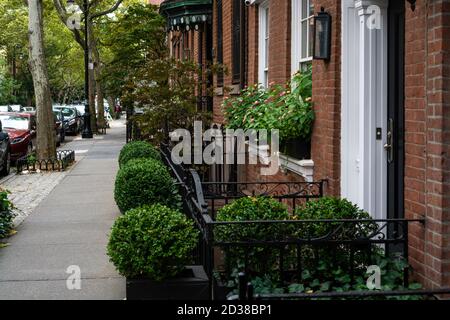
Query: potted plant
point(138, 150)
point(152, 247)
point(145, 181)
point(285, 108)
point(260, 260)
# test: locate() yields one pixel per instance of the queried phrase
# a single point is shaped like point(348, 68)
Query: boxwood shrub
point(328, 208)
point(144, 181)
point(153, 242)
point(6, 214)
point(259, 259)
point(138, 150)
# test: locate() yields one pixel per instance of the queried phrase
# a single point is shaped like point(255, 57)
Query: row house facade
point(381, 135)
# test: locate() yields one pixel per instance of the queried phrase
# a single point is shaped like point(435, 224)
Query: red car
point(21, 128)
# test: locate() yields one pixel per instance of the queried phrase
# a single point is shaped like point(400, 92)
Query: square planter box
point(191, 284)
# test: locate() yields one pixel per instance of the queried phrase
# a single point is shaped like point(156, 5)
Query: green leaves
point(144, 182)
point(6, 214)
point(138, 150)
point(261, 259)
point(286, 108)
point(153, 242)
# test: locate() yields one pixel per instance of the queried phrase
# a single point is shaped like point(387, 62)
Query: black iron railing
point(289, 247)
point(63, 159)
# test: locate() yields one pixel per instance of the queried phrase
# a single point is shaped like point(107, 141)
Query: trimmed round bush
point(138, 150)
point(153, 242)
point(329, 208)
point(259, 259)
point(144, 182)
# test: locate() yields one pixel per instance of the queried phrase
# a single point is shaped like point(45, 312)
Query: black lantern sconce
point(322, 36)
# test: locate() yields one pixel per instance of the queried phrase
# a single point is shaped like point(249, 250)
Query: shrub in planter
point(259, 259)
point(329, 208)
point(144, 181)
point(6, 215)
point(138, 150)
point(151, 246)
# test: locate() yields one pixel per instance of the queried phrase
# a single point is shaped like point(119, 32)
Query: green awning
point(186, 14)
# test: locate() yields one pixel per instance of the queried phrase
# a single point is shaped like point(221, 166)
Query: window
point(237, 14)
point(219, 42)
point(302, 33)
point(264, 44)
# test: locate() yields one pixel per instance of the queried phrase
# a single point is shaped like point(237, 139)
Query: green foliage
point(140, 71)
point(144, 182)
point(286, 108)
point(260, 259)
point(328, 208)
point(138, 150)
point(6, 214)
point(153, 242)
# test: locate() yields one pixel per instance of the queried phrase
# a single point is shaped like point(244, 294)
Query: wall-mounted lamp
point(322, 36)
point(413, 4)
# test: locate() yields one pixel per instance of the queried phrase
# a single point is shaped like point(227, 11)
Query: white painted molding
point(304, 168)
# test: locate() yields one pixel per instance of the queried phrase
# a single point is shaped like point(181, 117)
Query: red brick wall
point(279, 41)
point(327, 106)
point(427, 139)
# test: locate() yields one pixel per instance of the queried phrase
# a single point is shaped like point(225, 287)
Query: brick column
point(437, 250)
point(327, 105)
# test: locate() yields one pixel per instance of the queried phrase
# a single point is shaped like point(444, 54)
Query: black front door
point(395, 140)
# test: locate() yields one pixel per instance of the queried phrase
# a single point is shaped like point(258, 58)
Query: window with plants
point(287, 108)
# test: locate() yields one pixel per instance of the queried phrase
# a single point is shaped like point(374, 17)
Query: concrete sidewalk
point(70, 227)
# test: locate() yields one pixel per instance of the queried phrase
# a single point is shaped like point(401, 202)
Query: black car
point(5, 152)
point(72, 119)
point(61, 124)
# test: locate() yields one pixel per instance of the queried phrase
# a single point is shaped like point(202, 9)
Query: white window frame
point(264, 40)
point(298, 42)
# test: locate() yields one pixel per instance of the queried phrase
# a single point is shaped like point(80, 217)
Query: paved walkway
point(69, 227)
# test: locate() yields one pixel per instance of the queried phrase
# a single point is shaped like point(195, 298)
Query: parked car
point(6, 109)
point(73, 117)
point(20, 136)
point(16, 107)
point(21, 129)
point(56, 131)
point(29, 108)
point(5, 152)
point(61, 125)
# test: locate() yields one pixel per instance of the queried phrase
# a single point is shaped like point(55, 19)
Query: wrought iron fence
point(246, 292)
point(63, 159)
point(284, 248)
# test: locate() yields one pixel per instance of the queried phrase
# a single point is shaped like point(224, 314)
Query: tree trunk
point(45, 131)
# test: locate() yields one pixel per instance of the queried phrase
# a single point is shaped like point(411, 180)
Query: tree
point(141, 72)
point(97, 10)
point(46, 147)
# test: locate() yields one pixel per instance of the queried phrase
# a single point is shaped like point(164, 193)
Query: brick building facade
point(393, 79)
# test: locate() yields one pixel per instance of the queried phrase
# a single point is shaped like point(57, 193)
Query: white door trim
point(364, 106)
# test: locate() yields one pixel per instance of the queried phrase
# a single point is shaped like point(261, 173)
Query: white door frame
point(364, 105)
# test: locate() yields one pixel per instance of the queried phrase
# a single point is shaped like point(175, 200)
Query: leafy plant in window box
point(152, 247)
point(286, 108)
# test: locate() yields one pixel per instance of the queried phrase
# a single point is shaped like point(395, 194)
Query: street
point(68, 228)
